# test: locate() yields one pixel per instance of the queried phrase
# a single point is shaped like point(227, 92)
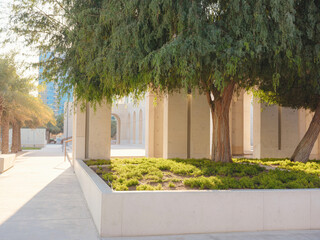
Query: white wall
point(31, 137)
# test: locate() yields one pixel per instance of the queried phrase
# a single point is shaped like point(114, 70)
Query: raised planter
point(144, 213)
point(6, 161)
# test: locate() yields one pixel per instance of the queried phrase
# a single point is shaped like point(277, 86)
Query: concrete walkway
point(127, 150)
point(40, 198)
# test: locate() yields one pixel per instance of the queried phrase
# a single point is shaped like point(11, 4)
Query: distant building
point(49, 95)
point(130, 121)
point(68, 119)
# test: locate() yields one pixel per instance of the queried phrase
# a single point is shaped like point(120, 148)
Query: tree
point(18, 106)
point(10, 85)
point(7, 76)
point(5, 125)
point(57, 127)
point(113, 126)
point(31, 112)
point(299, 78)
point(111, 48)
point(60, 122)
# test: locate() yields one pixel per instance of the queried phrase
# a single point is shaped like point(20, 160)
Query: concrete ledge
point(6, 161)
point(146, 213)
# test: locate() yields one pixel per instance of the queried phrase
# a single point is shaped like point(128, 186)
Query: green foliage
point(297, 82)
point(202, 182)
point(58, 126)
point(106, 49)
point(132, 182)
point(31, 148)
point(311, 167)
point(15, 98)
point(144, 173)
point(60, 122)
point(147, 187)
point(98, 162)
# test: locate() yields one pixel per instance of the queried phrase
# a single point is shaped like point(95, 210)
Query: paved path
point(40, 198)
point(127, 150)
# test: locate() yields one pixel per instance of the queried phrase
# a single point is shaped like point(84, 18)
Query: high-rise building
point(49, 94)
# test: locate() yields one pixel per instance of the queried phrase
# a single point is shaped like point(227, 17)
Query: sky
point(25, 55)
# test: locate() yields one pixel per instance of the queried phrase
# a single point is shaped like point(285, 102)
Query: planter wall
point(6, 161)
point(144, 213)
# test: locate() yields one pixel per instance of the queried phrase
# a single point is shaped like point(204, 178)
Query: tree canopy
point(299, 82)
point(111, 48)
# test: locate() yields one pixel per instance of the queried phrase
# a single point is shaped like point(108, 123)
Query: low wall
point(144, 213)
point(6, 161)
point(33, 137)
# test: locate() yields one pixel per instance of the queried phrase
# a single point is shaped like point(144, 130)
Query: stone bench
point(6, 161)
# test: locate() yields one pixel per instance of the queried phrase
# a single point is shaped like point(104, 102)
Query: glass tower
point(49, 94)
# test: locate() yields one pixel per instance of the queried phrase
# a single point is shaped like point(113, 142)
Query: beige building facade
point(179, 126)
point(130, 117)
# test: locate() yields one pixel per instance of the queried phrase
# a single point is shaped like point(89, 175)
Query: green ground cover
point(179, 174)
point(312, 166)
point(31, 148)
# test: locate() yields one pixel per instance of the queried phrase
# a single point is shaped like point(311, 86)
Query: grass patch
point(179, 174)
point(31, 148)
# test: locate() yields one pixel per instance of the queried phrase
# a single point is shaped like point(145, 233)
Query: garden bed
point(146, 213)
point(178, 174)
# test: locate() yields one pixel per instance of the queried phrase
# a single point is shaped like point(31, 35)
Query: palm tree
point(18, 107)
point(29, 111)
point(7, 76)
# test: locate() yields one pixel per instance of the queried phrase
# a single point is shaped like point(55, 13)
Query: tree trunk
point(220, 106)
point(303, 150)
point(19, 141)
point(5, 134)
point(15, 137)
point(1, 108)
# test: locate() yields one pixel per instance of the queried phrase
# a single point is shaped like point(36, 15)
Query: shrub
point(146, 187)
point(205, 174)
point(98, 162)
point(202, 182)
point(132, 182)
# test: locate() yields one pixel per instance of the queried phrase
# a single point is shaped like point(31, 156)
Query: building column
point(247, 123)
point(199, 126)
point(275, 131)
point(99, 132)
point(79, 132)
point(178, 126)
point(154, 126)
point(237, 125)
point(175, 126)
